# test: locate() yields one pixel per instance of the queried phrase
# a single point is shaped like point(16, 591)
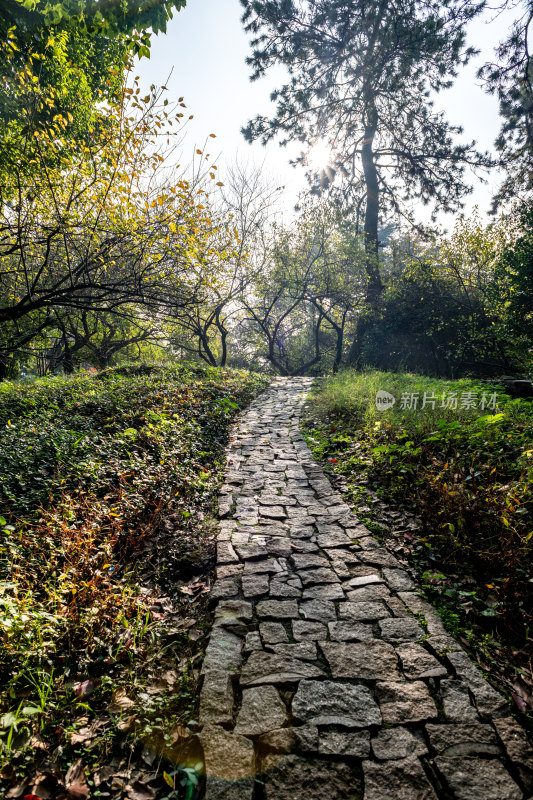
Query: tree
point(511, 80)
point(361, 73)
point(59, 61)
point(100, 228)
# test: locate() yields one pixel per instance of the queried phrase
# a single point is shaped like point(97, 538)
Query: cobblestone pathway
point(326, 675)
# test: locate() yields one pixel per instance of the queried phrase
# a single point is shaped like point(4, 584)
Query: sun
point(319, 156)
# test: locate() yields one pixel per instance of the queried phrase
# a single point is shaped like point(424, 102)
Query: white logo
point(384, 400)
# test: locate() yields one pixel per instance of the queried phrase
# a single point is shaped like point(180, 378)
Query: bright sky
point(206, 47)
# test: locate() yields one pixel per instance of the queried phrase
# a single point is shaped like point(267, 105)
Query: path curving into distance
point(326, 676)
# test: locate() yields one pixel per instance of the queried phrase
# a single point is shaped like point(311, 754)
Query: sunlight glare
point(319, 155)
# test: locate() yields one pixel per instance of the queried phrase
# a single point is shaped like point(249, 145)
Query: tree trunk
point(374, 286)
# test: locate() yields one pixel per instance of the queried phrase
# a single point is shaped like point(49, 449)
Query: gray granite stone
point(400, 629)
point(224, 651)
point(463, 740)
point(290, 777)
point(273, 633)
point(319, 610)
point(344, 743)
point(349, 631)
point(331, 591)
point(303, 630)
point(397, 780)
point(402, 702)
point(333, 703)
point(262, 710)
point(306, 651)
point(368, 660)
point(278, 609)
point(518, 748)
point(456, 701)
point(363, 612)
point(418, 663)
point(279, 589)
point(475, 778)
point(216, 698)
point(397, 743)
point(227, 756)
point(303, 739)
point(255, 585)
point(262, 668)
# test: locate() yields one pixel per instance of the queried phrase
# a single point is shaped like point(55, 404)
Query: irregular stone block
point(222, 589)
point(273, 632)
point(334, 539)
point(290, 777)
point(319, 610)
point(397, 743)
point(398, 579)
point(255, 585)
point(303, 739)
point(278, 609)
point(402, 702)
point(249, 551)
point(475, 778)
point(518, 748)
point(224, 651)
point(375, 591)
point(401, 780)
point(252, 641)
point(463, 740)
point(456, 701)
point(488, 700)
point(264, 668)
point(305, 650)
point(308, 561)
point(279, 589)
point(262, 710)
point(365, 580)
point(369, 660)
point(345, 743)
point(304, 631)
point(225, 553)
point(400, 629)
point(331, 591)
point(418, 663)
point(349, 631)
point(269, 565)
point(231, 612)
point(216, 698)
point(333, 703)
point(363, 612)
point(227, 756)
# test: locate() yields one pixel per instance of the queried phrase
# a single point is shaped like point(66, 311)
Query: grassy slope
point(467, 473)
point(95, 610)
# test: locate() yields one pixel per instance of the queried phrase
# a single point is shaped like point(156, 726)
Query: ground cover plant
point(465, 469)
point(102, 622)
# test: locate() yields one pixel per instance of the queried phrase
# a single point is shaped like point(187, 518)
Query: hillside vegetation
point(466, 470)
point(100, 620)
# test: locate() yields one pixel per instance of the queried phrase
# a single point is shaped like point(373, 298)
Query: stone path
point(326, 675)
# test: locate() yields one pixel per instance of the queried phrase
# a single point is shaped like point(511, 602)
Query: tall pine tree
point(360, 78)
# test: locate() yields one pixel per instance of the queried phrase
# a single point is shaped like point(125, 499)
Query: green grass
point(91, 467)
point(466, 471)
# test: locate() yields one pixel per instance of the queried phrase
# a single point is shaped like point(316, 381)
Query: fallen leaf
point(84, 689)
point(139, 791)
point(75, 782)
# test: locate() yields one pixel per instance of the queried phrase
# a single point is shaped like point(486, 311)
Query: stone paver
point(326, 674)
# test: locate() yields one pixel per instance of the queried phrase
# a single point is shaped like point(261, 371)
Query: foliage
point(90, 468)
point(510, 78)
point(104, 227)
point(466, 471)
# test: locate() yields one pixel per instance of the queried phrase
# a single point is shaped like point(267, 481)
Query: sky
point(204, 52)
